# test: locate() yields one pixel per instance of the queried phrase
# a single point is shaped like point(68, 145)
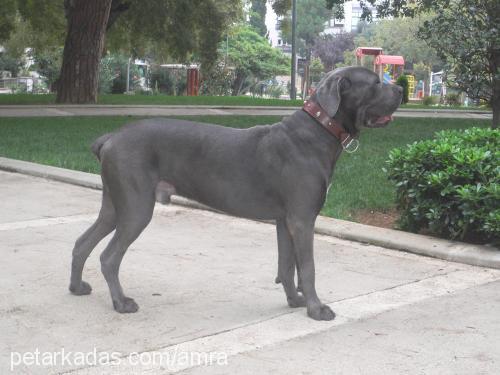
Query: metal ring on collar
point(350, 144)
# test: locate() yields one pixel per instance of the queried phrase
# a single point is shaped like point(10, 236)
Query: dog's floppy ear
point(328, 93)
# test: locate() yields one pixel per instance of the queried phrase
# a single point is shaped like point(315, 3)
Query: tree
point(48, 63)
point(386, 8)
point(186, 28)
point(253, 59)
point(79, 77)
point(465, 34)
point(311, 18)
point(7, 19)
point(12, 55)
point(403, 82)
point(330, 48)
point(258, 17)
point(399, 37)
point(316, 69)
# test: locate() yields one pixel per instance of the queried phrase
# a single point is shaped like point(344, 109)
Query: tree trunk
point(495, 106)
point(238, 82)
point(495, 97)
point(79, 78)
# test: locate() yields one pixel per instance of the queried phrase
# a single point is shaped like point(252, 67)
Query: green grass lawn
point(26, 99)
point(358, 183)
point(46, 99)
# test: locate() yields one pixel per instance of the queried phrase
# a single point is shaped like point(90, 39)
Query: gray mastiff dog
point(275, 172)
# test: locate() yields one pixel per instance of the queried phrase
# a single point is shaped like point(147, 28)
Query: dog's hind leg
point(286, 265)
point(134, 212)
point(105, 224)
point(277, 280)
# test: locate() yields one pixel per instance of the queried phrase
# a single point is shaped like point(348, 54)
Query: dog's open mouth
point(379, 121)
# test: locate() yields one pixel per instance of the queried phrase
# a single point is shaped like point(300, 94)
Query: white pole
point(128, 74)
point(430, 85)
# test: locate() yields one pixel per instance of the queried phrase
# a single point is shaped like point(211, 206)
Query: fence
point(22, 85)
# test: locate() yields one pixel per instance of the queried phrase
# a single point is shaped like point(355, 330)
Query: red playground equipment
point(388, 67)
point(367, 51)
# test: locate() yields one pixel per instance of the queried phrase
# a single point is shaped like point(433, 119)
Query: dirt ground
point(383, 219)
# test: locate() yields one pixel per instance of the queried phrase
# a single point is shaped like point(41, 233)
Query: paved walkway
point(204, 282)
point(145, 110)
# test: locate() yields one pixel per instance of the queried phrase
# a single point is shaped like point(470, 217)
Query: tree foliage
point(316, 69)
point(330, 48)
point(48, 64)
point(7, 19)
point(253, 59)
point(386, 8)
point(466, 35)
point(280, 7)
point(182, 29)
point(311, 18)
point(403, 82)
point(399, 37)
point(258, 17)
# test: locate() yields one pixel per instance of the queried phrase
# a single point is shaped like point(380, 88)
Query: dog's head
point(356, 97)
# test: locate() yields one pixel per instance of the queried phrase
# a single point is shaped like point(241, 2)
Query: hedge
point(449, 186)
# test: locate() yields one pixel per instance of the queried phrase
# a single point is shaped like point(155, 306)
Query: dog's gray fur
point(278, 172)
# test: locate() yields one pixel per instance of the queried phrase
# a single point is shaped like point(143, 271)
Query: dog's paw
point(81, 290)
point(321, 312)
point(298, 301)
point(277, 280)
point(126, 305)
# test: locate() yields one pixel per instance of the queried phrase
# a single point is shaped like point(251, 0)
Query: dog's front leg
point(286, 265)
point(302, 234)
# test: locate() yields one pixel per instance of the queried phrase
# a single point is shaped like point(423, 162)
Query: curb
point(476, 255)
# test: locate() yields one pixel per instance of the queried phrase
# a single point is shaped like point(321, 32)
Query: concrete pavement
point(476, 255)
point(173, 110)
point(204, 282)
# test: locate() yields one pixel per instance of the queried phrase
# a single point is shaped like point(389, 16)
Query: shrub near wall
point(450, 185)
point(403, 82)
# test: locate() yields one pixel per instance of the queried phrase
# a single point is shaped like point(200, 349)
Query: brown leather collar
point(348, 142)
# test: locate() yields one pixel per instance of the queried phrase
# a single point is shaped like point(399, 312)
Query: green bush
point(452, 99)
point(168, 82)
point(275, 91)
point(450, 185)
point(113, 74)
point(403, 82)
point(430, 100)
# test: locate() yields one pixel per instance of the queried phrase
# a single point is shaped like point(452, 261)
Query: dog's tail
point(99, 142)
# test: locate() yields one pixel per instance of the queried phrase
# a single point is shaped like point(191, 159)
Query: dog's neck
point(315, 137)
point(332, 125)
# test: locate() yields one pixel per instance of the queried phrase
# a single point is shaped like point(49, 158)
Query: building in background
point(351, 21)
point(273, 26)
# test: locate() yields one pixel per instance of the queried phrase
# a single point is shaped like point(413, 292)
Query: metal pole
point(293, 90)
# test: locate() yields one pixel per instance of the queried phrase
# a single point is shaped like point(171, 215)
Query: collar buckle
point(350, 144)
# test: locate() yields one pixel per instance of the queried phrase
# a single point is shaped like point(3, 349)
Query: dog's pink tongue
point(384, 119)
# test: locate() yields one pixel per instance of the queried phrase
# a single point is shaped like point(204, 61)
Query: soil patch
point(382, 219)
